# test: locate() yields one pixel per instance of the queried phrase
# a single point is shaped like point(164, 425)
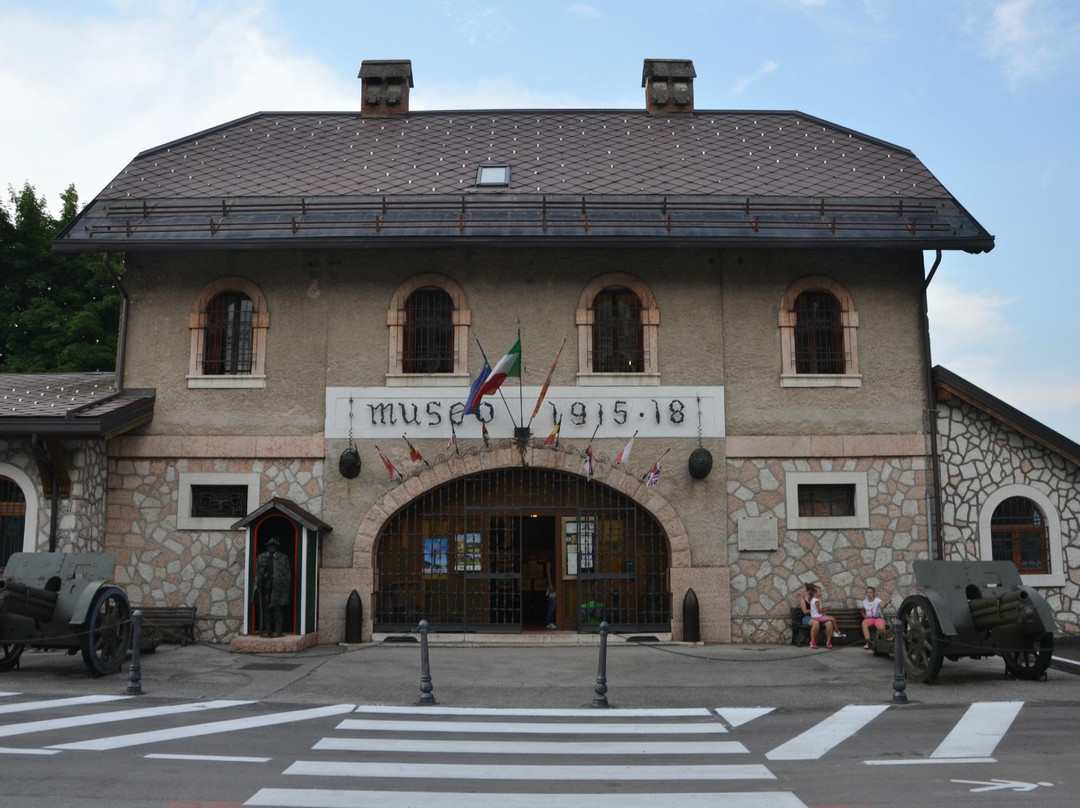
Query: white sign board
point(428, 412)
point(758, 534)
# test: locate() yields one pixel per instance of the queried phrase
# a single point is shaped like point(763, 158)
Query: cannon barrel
point(27, 601)
point(1001, 610)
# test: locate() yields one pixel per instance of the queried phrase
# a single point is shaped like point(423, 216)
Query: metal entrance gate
point(477, 554)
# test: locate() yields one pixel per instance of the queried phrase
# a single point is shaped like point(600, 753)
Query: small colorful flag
point(652, 476)
point(390, 467)
point(484, 433)
point(624, 455)
point(473, 401)
point(414, 454)
point(588, 461)
point(547, 382)
point(452, 443)
point(553, 438)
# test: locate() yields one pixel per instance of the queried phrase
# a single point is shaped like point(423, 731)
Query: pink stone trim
point(913, 445)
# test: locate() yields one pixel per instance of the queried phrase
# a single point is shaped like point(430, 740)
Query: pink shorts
point(823, 619)
point(876, 622)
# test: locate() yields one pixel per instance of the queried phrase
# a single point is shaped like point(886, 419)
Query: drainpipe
point(125, 304)
point(937, 538)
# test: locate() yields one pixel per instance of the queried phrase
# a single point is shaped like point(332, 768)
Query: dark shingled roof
point(310, 179)
point(70, 405)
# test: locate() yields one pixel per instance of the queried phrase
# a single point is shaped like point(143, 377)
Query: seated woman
point(872, 615)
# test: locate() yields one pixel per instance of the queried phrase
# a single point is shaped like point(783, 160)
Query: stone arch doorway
point(478, 553)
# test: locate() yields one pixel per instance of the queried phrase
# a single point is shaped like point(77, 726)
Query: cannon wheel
point(9, 655)
point(1032, 662)
point(108, 632)
point(923, 642)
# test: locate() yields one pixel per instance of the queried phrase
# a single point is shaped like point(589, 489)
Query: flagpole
point(521, 380)
point(547, 381)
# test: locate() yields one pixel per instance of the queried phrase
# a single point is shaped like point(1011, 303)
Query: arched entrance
point(478, 554)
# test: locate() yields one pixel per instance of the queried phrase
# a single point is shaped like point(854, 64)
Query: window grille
point(12, 519)
point(1018, 534)
point(229, 339)
point(826, 500)
point(218, 501)
point(618, 344)
point(473, 554)
point(819, 334)
point(428, 332)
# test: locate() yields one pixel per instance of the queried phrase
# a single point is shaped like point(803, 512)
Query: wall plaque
point(758, 533)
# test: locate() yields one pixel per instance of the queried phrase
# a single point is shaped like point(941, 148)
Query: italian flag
point(507, 367)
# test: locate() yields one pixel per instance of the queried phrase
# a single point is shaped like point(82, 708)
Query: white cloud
point(769, 67)
point(967, 323)
point(102, 89)
point(583, 11)
point(1030, 38)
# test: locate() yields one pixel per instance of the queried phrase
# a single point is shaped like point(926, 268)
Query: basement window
point(493, 175)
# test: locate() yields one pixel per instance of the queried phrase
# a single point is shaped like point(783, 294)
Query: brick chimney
point(669, 86)
point(385, 86)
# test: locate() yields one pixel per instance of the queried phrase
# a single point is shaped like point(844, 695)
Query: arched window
point(617, 340)
point(818, 335)
point(428, 332)
point(618, 322)
point(1018, 534)
point(228, 336)
point(12, 519)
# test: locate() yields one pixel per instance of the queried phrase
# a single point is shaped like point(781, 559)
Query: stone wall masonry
point(765, 585)
point(161, 565)
point(979, 455)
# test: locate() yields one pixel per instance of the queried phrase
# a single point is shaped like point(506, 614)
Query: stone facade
point(981, 456)
point(159, 564)
point(765, 585)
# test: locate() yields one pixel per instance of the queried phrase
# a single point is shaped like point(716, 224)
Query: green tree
point(58, 312)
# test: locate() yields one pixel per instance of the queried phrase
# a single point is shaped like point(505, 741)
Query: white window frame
point(1056, 576)
point(29, 492)
point(184, 519)
point(861, 519)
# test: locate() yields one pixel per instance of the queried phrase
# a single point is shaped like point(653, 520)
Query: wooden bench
point(166, 624)
point(848, 621)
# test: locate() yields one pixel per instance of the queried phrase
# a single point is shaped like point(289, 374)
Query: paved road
point(104, 750)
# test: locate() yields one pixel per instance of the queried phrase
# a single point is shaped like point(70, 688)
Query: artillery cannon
point(64, 600)
point(974, 609)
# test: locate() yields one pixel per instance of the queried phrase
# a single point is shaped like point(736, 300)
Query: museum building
point(723, 379)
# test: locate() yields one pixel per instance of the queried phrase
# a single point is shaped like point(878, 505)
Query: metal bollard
point(134, 687)
point(427, 698)
point(899, 683)
point(600, 699)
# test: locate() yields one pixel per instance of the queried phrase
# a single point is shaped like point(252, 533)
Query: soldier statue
point(273, 587)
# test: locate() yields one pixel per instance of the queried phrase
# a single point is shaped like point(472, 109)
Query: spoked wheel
point(108, 632)
point(9, 655)
point(923, 642)
point(1032, 662)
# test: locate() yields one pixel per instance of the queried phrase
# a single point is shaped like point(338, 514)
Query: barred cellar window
point(219, 501)
point(826, 500)
point(1018, 534)
point(12, 519)
point(428, 332)
point(819, 335)
point(617, 340)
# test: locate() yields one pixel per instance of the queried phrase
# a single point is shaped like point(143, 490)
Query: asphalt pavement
point(550, 672)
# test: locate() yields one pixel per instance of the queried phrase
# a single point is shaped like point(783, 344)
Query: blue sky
point(985, 92)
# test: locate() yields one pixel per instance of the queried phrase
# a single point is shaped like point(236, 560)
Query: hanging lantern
point(701, 458)
point(349, 463)
point(700, 463)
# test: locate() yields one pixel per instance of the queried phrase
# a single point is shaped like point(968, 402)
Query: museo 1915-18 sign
point(428, 412)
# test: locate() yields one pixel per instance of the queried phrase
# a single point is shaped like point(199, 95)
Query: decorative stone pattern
point(81, 515)
point(979, 455)
point(765, 585)
point(160, 565)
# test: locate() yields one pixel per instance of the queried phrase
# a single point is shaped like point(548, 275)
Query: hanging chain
point(699, 422)
point(350, 422)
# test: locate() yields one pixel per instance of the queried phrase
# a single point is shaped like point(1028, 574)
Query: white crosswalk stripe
point(583, 750)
